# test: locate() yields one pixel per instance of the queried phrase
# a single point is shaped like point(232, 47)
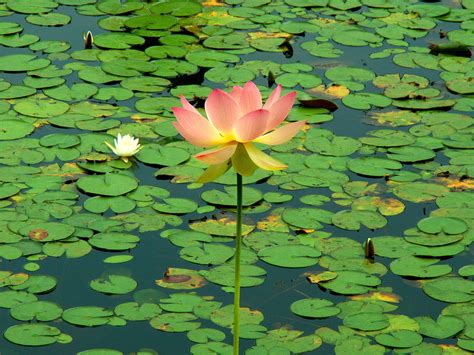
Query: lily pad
point(450, 289)
point(314, 308)
point(32, 334)
point(108, 184)
point(290, 256)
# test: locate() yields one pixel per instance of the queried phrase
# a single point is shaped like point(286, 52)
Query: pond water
point(102, 256)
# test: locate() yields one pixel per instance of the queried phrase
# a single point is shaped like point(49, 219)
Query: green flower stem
point(238, 242)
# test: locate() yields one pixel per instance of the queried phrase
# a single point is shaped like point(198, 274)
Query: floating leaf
point(399, 339)
point(42, 311)
point(87, 316)
point(32, 334)
point(450, 289)
point(314, 308)
point(290, 256)
point(107, 184)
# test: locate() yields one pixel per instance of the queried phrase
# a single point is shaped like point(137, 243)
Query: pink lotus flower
point(234, 122)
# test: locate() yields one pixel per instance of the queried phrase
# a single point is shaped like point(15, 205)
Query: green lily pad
point(37, 284)
point(368, 321)
point(47, 231)
point(413, 266)
point(87, 316)
point(351, 283)
point(419, 191)
point(290, 256)
point(176, 206)
point(302, 79)
point(223, 275)
point(205, 335)
point(399, 339)
point(49, 19)
point(114, 241)
point(352, 220)
point(207, 254)
point(442, 328)
point(450, 289)
point(229, 197)
point(10, 299)
point(14, 129)
point(118, 204)
point(22, 62)
point(314, 308)
point(108, 184)
point(372, 166)
point(175, 322)
point(134, 311)
point(307, 218)
point(114, 284)
point(42, 311)
point(31, 7)
point(448, 225)
point(32, 334)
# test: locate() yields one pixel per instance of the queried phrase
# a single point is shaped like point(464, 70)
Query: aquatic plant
point(235, 121)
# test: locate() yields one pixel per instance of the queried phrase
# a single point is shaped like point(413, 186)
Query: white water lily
point(125, 146)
